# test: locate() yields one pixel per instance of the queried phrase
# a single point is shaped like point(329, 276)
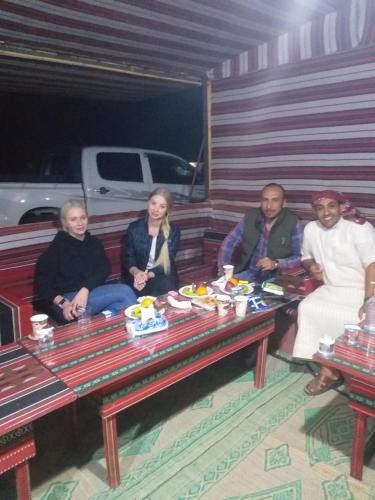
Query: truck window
point(120, 167)
point(61, 167)
point(170, 170)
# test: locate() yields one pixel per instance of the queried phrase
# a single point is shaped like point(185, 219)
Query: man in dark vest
point(270, 238)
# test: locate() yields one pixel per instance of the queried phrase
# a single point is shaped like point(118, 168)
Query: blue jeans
point(112, 296)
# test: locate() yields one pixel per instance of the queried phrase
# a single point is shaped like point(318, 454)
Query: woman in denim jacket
point(151, 246)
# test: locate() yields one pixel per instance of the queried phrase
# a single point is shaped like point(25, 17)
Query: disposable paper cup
point(38, 322)
point(228, 271)
point(223, 304)
point(240, 304)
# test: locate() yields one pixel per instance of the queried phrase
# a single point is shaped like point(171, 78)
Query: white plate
point(247, 289)
point(201, 302)
point(146, 297)
point(186, 292)
point(134, 311)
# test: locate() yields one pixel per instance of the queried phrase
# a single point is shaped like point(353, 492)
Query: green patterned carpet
point(215, 437)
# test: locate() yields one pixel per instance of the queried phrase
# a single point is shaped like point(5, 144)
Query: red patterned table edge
point(358, 363)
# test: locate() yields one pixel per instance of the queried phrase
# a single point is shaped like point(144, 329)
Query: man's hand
point(267, 264)
point(316, 271)
point(361, 313)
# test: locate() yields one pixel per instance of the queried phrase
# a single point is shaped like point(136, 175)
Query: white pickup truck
point(106, 179)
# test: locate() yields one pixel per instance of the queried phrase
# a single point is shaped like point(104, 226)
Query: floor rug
point(212, 436)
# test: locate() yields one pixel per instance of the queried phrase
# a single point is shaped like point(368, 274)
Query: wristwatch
point(276, 264)
point(62, 302)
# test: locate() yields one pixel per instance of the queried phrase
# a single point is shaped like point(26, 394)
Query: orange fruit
point(146, 302)
point(201, 290)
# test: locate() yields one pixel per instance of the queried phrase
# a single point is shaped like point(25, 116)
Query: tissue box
point(136, 328)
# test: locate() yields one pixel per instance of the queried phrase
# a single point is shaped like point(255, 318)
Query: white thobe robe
point(344, 252)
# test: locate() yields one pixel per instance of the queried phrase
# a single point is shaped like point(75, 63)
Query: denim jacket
point(137, 245)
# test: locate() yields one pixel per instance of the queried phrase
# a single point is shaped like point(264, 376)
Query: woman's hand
point(68, 310)
point(80, 299)
point(141, 278)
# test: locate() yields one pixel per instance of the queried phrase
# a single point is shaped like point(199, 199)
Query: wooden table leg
point(72, 423)
point(358, 445)
point(109, 425)
point(261, 363)
point(23, 481)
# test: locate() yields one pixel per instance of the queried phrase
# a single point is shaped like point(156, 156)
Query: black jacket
point(137, 245)
point(69, 264)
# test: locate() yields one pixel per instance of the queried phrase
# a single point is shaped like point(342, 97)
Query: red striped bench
point(21, 246)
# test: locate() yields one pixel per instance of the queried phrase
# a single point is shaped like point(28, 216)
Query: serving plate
point(151, 297)
point(134, 311)
point(247, 289)
point(187, 291)
point(208, 302)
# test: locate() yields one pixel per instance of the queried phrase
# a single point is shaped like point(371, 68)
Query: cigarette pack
point(270, 287)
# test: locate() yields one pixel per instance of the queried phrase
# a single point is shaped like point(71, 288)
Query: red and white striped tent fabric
point(82, 47)
point(293, 92)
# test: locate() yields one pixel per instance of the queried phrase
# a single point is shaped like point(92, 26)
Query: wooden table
point(118, 371)
point(358, 364)
point(28, 391)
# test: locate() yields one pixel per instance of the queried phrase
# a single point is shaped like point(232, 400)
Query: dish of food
point(242, 288)
point(187, 291)
point(146, 300)
point(134, 311)
point(209, 303)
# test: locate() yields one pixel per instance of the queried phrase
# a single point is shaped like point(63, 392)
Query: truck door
point(114, 180)
point(178, 175)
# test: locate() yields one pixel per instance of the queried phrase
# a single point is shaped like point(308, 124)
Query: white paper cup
point(38, 322)
point(223, 304)
point(240, 304)
point(228, 271)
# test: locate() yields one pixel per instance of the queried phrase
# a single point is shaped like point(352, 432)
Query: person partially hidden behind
point(339, 249)
point(270, 238)
point(73, 270)
point(151, 245)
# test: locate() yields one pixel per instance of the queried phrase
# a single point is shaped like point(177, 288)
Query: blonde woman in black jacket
point(73, 270)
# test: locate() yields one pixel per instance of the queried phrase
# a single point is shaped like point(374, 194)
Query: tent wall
point(307, 120)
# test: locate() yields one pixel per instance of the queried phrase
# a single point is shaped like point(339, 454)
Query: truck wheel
point(31, 217)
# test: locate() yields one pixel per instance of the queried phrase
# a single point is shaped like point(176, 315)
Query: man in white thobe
point(339, 249)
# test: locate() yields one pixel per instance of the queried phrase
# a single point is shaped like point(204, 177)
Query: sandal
point(322, 383)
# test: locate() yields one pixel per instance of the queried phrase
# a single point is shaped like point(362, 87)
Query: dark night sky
point(33, 124)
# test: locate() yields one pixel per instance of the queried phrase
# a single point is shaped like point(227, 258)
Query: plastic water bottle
point(370, 315)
